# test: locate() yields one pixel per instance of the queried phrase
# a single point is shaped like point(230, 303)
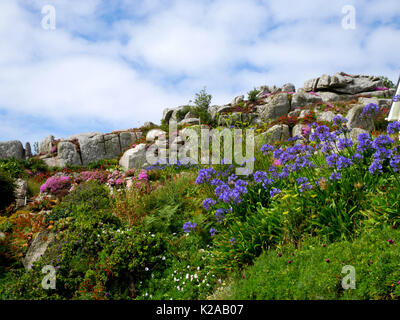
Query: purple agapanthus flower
point(369, 110)
point(208, 203)
point(189, 226)
point(393, 127)
point(274, 191)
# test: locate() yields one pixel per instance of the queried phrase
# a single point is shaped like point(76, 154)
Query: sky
point(115, 64)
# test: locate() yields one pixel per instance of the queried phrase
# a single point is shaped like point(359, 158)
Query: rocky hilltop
point(318, 98)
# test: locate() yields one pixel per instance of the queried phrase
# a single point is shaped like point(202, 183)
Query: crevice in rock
point(315, 84)
point(120, 145)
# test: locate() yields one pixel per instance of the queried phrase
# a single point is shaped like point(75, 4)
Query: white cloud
point(119, 63)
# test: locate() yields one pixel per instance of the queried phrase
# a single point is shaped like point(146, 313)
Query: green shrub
point(305, 273)
point(387, 82)
point(180, 114)
point(17, 168)
point(6, 190)
point(90, 194)
point(13, 167)
point(252, 95)
point(103, 164)
point(202, 99)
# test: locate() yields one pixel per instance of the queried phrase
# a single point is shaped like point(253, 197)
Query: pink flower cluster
point(56, 185)
point(143, 175)
point(115, 179)
point(99, 176)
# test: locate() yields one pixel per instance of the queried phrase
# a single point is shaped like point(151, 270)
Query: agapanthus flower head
point(396, 98)
point(364, 142)
point(213, 231)
point(321, 133)
point(339, 120)
point(219, 215)
point(267, 148)
point(345, 143)
point(304, 184)
point(208, 203)
point(274, 192)
point(395, 163)
point(370, 110)
point(375, 166)
point(382, 141)
point(205, 175)
point(335, 176)
point(393, 127)
point(189, 226)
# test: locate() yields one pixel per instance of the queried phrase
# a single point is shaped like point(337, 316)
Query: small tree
point(387, 83)
point(203, 99)
point(252, 95)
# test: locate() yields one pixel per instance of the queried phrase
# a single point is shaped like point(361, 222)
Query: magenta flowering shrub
point(98, 175)
point(56, 185)
point(115, 179)
point(143, 176)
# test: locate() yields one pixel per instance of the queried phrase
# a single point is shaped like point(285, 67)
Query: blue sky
point(112, 65)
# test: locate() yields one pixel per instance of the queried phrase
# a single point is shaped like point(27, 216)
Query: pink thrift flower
point(276, 163)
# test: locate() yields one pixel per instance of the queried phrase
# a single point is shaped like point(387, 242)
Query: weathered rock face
point(301, 99)
point(28, 150)
point(21, 191)
point(355, 132)
point(127, 138)
point(38, 247)
point(189, 121)
point(326, 116)
point(327, 96)
point(12, 149)
point(343, 83)
point(237, 99)
point(134, 158)
point(288, 87)
point(85, 148)
point(279, 132)
point(46, 144)
point(278, 105)
point(355, 120)
point(215, 110)
point(67, 154)
point(92, 147)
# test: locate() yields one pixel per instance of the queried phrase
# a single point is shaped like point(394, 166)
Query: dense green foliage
point(252, 95)
point(90, 195)
point(6, 190)
point(314, 270)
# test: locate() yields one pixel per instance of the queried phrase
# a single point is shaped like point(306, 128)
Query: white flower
point(147, 269)
point(163, 258)
point(187, 275)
